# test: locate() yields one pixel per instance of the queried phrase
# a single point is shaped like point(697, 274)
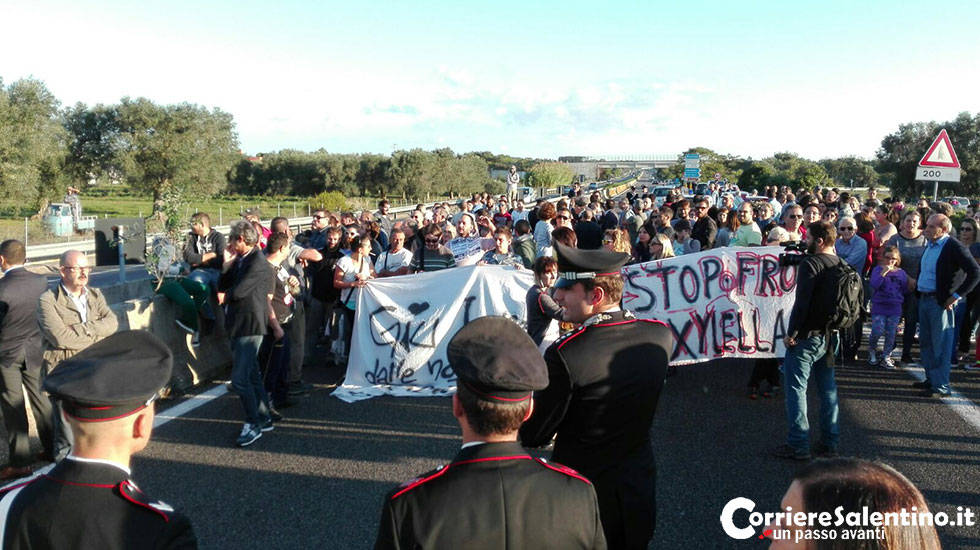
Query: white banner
point(403, 326)
point(725, 302)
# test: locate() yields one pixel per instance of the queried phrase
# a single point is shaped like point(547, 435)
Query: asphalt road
point(318, 479)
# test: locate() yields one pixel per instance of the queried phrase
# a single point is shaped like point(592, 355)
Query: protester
point(683, 242)
point(705, 229)
point(889, 285)
point(524, 242)
point(20, 361)
point(682, 211)
point(588, 233)
point(853, 250)
point(661, 247)
point(351, 275)
point(605, 380)
point(807, 349)
point(383, 217)
point(293, 265)
point(792, 222)
point(911, 244)
point(617, 240)
point(854, 487)
point(747, 232)
point(937, 298)
point(88, 500)
point(519, 213)
point(543, 228)
point(275, 353)
point(728, 224)
point(542, 310)
point(641, 249)
point(202, 252)
point(253, 216)
point(397, 259)
point(72, 317)
point(966, 311)
point(434, 256)
point(468, 247)
point(662, 219)
point(501, 253)
point(325, 296)
point(248, 282)
point(565, 236)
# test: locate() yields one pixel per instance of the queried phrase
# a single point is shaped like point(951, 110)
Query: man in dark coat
point(248, 282)
point(493, 494)
point(705, 229)
point(604, 381)
point(88, 500)
point(21, 359)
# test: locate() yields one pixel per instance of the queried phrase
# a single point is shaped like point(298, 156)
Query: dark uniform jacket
point(20, 334)
point(247, 285)
point(604, 380)
point(84, 505)
point(493, 495)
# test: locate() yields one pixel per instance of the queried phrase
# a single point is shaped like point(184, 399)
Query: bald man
point(72, 317)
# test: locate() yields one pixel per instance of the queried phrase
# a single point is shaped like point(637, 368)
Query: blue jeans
point(809, 357)
point(247, 380)
point(936, 336)
point(959, 317)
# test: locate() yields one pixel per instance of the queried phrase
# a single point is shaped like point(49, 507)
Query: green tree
point(182, 148)
point(842, 171)
point(32, 145)
point(93, 144)
point(550, 174)
point(901, 151)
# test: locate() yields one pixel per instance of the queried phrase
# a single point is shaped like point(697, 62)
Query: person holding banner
point(493, 494)
point(351, 274)
point(542, 310)
point(604, 381)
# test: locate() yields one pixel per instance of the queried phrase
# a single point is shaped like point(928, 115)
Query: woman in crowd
point(889, 286)
point(886, 229)
point(728, 224)
point(616, 240)
point(641, 250)
point(543, 228)
point(854, 486)
point(501, 254)
point(911, 243)
point(866, 230)
point(661, 247)
point(965, 311)
point(350, 275)
point(543, 313)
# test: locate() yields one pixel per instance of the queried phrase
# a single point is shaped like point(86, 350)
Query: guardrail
point(52, 251)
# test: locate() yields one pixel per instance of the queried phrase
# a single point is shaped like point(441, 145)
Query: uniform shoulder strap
point(131, 493)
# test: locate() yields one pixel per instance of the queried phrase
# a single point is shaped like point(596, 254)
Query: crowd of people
point(288, 302)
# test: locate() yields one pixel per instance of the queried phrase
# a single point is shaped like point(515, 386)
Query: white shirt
point(393, 261)
point(99, 461)
point(81, 302)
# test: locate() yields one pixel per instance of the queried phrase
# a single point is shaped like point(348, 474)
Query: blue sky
point(524, 78)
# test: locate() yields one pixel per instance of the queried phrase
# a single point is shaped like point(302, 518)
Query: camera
point(793, 253)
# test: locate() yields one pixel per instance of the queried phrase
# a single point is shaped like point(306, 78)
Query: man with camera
point(808, 348)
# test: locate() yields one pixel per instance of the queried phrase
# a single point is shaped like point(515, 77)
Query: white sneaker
point(887, 363)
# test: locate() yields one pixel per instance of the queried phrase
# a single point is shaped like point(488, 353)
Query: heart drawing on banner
point(415, 309)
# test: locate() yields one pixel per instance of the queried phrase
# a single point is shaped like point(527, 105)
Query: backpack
point(842, 292)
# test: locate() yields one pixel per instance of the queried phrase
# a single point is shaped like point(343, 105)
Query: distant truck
point(59, 220)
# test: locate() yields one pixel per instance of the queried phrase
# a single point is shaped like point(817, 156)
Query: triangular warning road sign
point(941, 153)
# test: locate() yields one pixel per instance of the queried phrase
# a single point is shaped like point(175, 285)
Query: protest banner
point(725, 302)
point(403, 325)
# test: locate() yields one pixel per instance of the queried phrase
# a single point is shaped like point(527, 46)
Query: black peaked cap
point(575, 264)
point(496, 359)
point(112, 378)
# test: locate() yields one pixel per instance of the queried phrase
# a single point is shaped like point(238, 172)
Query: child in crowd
point(683, 243)
point(889, 285)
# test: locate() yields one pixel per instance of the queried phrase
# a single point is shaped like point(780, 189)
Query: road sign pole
point(935, 191)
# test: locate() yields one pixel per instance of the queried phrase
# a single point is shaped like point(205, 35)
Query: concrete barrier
point(138, 308)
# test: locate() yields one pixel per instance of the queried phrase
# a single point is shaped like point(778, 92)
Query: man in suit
point(72, 317)
point(248, 282)
point(604, 381)
point(942, 259)
point(493, 494)
point(88, 500)
point(20, 359)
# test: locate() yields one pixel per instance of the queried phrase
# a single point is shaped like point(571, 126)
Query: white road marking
point(190, 404)
point(966, 409)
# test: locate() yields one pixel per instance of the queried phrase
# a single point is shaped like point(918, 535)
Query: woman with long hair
point(542, 310)
point(728, 224)
point(543, 227)
point(351, 275)
point(661, 247)
point(846, 486)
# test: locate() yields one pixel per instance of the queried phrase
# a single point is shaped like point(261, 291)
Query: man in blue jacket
point(941, 260)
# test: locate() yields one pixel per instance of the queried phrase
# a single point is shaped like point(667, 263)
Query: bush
point(329, 200)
